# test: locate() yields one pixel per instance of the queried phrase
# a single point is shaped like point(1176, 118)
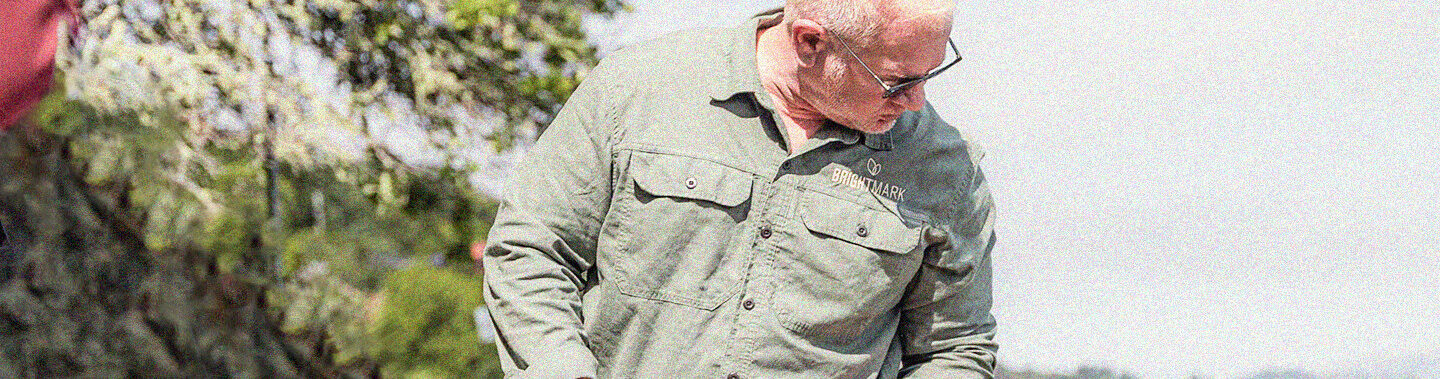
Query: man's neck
point(777, 64)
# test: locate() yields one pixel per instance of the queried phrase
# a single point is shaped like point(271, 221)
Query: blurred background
point(256, 188)
point(246, 188)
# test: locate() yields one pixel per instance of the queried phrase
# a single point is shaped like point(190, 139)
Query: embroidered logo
point(845, 177)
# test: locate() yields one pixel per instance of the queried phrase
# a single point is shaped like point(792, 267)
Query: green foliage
point(308, 149)
point(425, 327)
point(320, 304)
point(469, 13)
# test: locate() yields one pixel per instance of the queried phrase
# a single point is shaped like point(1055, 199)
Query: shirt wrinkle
point(714, 251)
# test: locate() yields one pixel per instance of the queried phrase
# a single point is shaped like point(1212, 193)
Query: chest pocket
point(858, 224)
point(690, 178)
point(678, 228)
point(849, 272)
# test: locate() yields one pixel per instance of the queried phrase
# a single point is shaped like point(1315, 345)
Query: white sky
point(1195, 187)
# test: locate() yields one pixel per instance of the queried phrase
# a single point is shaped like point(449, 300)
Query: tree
point(271, 187)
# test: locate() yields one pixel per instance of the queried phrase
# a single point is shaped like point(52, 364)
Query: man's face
point(849, 95)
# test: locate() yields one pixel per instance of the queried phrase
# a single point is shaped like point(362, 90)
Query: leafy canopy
point(324, 151)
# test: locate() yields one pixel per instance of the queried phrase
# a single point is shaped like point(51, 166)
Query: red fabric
point(27, 53)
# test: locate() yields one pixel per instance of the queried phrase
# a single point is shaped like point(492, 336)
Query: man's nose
point(912, 99)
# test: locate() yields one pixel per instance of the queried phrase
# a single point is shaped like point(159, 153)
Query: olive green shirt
point(660, 228)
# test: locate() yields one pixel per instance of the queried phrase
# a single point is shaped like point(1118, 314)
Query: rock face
point(80, 295)
point(197, 158)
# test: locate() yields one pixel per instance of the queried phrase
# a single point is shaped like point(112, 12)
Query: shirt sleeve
point(946, 327)
point(543, 243)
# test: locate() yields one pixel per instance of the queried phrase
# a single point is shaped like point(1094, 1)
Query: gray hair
point(862, 21)
point(859, 21)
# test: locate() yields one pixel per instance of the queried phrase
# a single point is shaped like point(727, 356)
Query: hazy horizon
point(1197, 187)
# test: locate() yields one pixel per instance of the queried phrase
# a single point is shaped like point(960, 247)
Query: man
point(775, 200)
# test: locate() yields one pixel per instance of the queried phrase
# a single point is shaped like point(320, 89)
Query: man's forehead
point(921, 22)
point(903, 9)
point(916, 25)
point(909, 54)
point(909, 66)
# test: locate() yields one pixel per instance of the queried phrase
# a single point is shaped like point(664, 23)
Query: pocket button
point(862, 232)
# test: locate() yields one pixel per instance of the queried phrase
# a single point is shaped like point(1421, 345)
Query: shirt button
point(862, 232)
point(765, 232)
point(690, 183)
point(748, 304)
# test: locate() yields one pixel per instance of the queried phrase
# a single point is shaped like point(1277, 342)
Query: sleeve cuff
point(559, 362)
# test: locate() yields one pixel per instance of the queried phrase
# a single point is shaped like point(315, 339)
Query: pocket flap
point(858, 224)
point(690, 178)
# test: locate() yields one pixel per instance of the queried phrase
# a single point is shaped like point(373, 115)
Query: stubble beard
point(833, 78)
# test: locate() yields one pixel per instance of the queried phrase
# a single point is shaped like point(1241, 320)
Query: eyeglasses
point(904, 84)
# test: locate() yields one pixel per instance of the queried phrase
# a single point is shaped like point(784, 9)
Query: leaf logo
point(872, 166)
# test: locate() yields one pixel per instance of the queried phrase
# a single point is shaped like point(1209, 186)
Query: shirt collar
point(880, 141)
point(743, 76)
point(834, 131)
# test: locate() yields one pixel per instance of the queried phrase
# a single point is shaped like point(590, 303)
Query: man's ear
point(810, 40)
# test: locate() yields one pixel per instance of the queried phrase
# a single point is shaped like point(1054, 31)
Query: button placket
point(773, 201)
